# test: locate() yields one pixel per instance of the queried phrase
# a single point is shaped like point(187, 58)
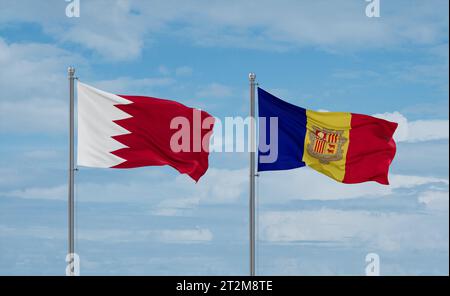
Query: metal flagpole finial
point(71, 71)
point(251, 76)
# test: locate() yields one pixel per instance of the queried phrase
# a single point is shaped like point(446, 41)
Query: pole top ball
point(251, 76)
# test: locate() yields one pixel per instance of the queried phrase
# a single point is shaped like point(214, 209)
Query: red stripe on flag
point(371, 149)
point(148, 143)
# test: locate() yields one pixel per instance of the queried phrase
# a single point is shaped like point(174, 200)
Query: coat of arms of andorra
point(326, 144)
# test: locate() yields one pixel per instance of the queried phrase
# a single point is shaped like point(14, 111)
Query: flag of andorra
point(348, 147)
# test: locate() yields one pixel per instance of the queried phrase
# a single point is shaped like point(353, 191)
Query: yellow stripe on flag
point(332, 129)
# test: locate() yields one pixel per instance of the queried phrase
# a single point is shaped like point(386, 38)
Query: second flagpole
point(252, 222)
point(71, 200)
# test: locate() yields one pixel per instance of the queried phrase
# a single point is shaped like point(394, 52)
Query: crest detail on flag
point(326, 144)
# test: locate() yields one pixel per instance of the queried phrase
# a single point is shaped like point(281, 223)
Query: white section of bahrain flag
point(96, 115)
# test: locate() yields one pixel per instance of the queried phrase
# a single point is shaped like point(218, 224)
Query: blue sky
point(316, 54)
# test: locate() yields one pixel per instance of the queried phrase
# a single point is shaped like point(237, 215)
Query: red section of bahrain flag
point(163, 132)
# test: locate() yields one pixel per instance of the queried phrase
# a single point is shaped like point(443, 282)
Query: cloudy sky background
point(152, 221)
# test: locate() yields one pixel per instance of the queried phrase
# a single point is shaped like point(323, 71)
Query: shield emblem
point(326, 144)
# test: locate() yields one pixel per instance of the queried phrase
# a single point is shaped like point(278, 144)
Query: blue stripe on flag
point(291, 132)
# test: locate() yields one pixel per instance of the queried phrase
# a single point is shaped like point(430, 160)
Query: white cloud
point(183, 71)
point(431, 70)
point(222, 185)
point(180, 236)
point(319, 23)
point(218, 186)
point(215, 90)
point(42, 154)
point(185, 235)
point(179, 71)
point(35, 115)
point(34, 231)
point(174, 236)
point(307, 184)
point(417, 131)
point(107, 27)
point(110, 28)
point(408, 181)
point(131, 86)
point(379, 231)
point(436, 109)
point(120, 29)
point(51, 193)
point(33, 91)
point(163, 70)
point(427, 130)
point(354, 74)
point(9, 176)
point(435, 200)
point(178, 195)
point(35, 71)
point(175, 206)
point(173, 193)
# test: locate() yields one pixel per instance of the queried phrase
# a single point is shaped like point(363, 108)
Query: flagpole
point(71, 202)
point(252, 77)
